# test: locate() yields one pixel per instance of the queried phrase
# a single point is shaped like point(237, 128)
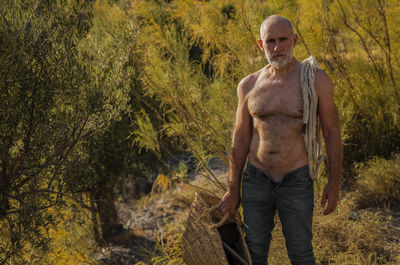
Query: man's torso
point(276, 106)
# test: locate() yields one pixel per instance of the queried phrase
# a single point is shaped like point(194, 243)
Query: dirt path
point(145, 221)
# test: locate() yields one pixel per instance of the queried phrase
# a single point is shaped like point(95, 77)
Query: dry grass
point(352, 236)
point(168, 249)
point(348, 236)
point(378, 182)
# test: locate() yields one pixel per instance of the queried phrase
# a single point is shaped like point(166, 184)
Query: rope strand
point(311, 126)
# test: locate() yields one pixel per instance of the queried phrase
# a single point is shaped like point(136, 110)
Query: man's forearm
point(335, 155)
point(237, 160)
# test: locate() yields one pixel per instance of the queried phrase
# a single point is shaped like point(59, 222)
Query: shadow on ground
point(127, 247)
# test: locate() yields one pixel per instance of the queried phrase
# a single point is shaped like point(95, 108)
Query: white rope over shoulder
point(311, 126)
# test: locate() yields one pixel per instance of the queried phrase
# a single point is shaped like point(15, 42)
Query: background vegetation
point(98, 93)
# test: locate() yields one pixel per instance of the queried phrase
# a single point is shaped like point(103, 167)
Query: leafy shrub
point(71, 240)
point(379, 182)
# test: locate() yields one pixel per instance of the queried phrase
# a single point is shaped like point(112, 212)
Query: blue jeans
point(293, 197)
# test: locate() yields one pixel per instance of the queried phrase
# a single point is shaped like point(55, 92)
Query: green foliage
point(107, 159)
point(53, 95)
point(355, 46)
point(145, 135)
point(77, 79)
point(354, 41)
point(196, 108)
point(196, 52)
point(70, 244)
point(378, 182)
point(180, 172)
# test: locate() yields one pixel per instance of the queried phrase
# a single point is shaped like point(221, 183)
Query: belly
point(277, 145)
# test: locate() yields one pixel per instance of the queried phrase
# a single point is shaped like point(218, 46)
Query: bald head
point(274, 19)
point(277, 41)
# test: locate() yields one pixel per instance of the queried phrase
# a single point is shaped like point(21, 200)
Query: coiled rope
point(311, 125)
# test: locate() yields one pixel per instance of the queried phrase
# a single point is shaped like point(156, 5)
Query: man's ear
point(260, 43)
point(295, 39)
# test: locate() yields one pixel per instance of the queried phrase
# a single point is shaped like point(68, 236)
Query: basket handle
point(222, 221)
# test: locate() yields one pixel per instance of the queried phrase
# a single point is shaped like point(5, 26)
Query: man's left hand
point(330, 194)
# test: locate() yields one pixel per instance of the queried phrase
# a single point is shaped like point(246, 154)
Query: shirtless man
point(268, 132)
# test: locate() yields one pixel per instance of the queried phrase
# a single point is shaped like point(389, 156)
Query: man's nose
point(278, 47)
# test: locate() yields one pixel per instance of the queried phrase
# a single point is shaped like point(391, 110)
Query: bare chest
point(276, 97)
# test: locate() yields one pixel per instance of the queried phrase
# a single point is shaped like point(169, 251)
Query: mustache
point(272, 55)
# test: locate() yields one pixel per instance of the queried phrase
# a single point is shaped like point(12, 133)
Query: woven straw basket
point(206, 229)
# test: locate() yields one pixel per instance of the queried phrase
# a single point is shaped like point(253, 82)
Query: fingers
point(324, 198)
point(225, 209)
point(330, 208)
point(332, 202)
point(225, 206)
point(228, 203)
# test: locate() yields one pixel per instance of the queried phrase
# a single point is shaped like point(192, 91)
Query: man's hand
point(229, 202)
point(330, 194)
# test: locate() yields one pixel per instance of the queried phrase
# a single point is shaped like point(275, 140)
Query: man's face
point(278, 43)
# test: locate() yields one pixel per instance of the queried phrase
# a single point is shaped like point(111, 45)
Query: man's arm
point(331, 131)
point(240, 147)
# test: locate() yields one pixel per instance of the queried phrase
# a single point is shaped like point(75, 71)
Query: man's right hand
point(230, 202)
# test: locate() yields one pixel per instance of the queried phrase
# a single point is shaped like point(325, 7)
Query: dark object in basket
point(230, 237)
point(233, 257)
point(229, 233)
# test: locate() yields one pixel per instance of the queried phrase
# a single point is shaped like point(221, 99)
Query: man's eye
point(270, 41)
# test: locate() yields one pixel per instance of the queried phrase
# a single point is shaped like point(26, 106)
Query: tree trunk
point(109, 223)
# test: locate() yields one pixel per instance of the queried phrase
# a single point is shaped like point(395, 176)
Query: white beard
point(279, 62)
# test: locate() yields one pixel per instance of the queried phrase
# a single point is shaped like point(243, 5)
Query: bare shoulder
point(323, 83)
point(247, 83)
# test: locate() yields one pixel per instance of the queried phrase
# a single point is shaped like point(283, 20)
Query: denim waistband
point(297, 172)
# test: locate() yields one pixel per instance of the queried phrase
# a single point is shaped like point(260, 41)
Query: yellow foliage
point(170, 250)
point(161, 183)
point(70, 240)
